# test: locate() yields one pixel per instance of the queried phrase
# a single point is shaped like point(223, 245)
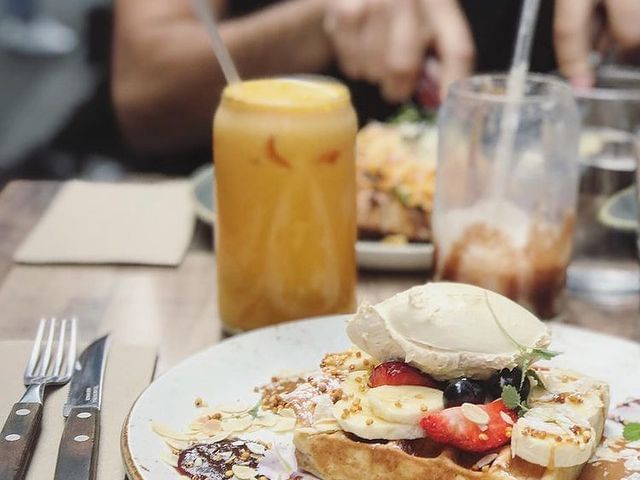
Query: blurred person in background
point(24, 29)
point(166, 81)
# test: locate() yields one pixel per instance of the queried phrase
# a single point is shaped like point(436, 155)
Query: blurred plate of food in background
point(389, 256)
point(395, 171)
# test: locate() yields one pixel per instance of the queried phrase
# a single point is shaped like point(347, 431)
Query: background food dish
point(395, 173)
point(234, 367)
point(371, 254)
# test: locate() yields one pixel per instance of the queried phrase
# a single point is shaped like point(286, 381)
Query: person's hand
point(386, 42)
point(574, 34)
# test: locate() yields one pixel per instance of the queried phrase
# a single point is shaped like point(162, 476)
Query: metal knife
point(78, 451)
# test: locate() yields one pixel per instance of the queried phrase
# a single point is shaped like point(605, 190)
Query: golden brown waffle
point(337, 456)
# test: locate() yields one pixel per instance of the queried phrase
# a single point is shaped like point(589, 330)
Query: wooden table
point(172, 308)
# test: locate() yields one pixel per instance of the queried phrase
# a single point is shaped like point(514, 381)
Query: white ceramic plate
point(203, 196)
point(371, 255)
point(388, 257)
point(229, 371)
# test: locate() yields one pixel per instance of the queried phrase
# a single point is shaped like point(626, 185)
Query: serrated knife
point(78, 451)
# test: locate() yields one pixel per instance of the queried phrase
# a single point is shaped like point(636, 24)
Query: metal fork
point(52, 362)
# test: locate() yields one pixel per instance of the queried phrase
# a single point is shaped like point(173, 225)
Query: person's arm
point(166, 81)
point(386, 42)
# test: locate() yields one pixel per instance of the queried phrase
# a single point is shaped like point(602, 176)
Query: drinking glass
point(506, 222)
point(603, 267)
point(284, 151)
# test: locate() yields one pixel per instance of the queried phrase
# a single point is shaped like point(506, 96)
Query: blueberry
point(463, 390)
point(505, 377)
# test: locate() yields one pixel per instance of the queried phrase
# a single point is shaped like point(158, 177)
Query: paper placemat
point(129, 370)
point(88, 222)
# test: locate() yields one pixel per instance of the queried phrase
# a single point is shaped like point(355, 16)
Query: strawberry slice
point(399, 373)
point(453, 427)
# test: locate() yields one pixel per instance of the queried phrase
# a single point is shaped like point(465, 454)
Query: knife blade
point(78, 451)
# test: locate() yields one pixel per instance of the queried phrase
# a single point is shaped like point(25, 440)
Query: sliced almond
point(254, 428)
point(266, 420)
point(256, 448)
point(243, 472)
point(507, 419)
point(284, 425)
point(168, 432)
point(484, 461)
point(287, 412)
point(239, 407)
point(236, 424)
point(221, 435)
point(176, 444)
point(212, 427)
point(474, 413)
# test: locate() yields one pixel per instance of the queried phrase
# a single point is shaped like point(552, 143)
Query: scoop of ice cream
point(448, 330)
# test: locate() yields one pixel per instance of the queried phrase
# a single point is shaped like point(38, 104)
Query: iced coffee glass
point(286, 209)
point(506, 223)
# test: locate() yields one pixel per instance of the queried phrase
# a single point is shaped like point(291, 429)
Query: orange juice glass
point(285, 191)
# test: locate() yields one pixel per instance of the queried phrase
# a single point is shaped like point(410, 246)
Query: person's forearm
point(166, 85)
point(285, 38)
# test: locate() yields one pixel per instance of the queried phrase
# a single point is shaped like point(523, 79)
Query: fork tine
point(35, 351)
point(60, 351)
point(71, 353)
point(46, 358)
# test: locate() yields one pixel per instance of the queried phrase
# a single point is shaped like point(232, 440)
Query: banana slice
point(404, 404)
point(565, 422)
point(553, 436)
point(355, 383)
point(355, 416)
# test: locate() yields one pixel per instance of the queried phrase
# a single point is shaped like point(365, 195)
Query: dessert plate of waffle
point(442, 381)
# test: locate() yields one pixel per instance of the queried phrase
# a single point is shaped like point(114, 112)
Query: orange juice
point(286, 216)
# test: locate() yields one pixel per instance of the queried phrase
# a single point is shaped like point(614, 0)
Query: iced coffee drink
point(521, 258)
point(506, 223)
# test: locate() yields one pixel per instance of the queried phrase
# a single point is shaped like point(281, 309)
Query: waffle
point(337, 456)
point(328, 452)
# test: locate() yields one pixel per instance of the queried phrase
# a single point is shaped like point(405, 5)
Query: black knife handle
point(18, 440)
point(78, 452)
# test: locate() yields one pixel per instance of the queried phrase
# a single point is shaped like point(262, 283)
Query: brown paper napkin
point(129, 371)
point(88, 222)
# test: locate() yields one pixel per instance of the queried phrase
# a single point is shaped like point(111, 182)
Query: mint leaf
point(631, 432)
point(412, 113)
point(511, 397)
point(545, 354)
